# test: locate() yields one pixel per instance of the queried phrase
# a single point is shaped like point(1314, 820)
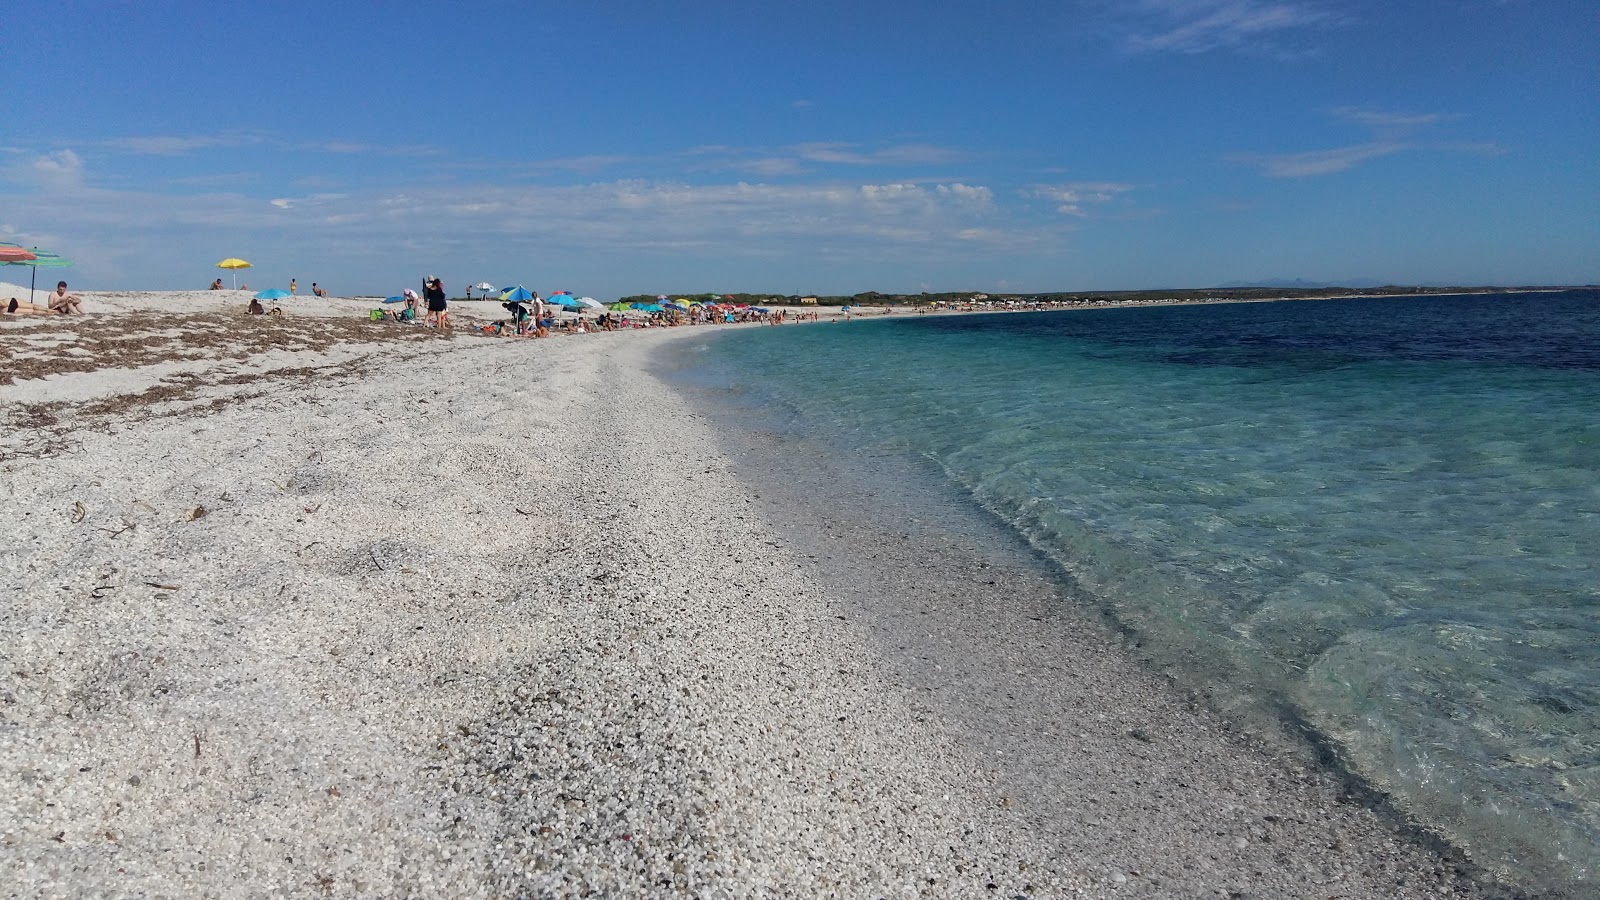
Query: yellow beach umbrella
point(235, 264)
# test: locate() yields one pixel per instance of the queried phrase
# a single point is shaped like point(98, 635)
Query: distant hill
point(1301, 284)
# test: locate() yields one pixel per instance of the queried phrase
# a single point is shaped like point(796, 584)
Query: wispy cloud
point(1320, 162)
point(307, 201)
point(188, 144)
point(1377, 119)
point(1199, 26)
point(178, 145)
point(853, 155)
point(810, 157)
point(1070, 199)
point(1389, 133)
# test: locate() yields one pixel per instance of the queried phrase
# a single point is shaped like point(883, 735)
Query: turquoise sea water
point(1376, 518)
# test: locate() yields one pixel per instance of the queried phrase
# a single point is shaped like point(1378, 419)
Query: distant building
point(808, 301)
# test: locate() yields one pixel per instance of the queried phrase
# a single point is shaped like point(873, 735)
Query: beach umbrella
point(619, 307)
point(518, 294)
point(41, 259)
point(395, 299)
point(10, 253)
point(273, 294)
point(590, 303)
point(235, 265)
point(485, 286)
point(563, 300)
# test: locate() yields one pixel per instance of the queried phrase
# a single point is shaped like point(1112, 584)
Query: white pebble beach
point(312, 605)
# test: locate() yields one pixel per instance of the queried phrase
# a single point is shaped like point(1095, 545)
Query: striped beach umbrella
point(39, 259)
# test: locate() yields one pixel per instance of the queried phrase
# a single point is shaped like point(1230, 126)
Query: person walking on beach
point(64, 303)
point(292, 288)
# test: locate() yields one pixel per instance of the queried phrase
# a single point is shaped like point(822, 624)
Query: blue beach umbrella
point(518, 294)
point(563, 300)
point(395, 299)
point(273, 294)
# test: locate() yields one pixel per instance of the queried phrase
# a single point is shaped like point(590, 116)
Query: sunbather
point(19, 308)
point(65, 303)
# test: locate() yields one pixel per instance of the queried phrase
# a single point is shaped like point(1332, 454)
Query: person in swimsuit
point(19, 308)
point(65, 303)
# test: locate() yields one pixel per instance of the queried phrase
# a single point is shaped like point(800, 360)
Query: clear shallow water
point(1379, 518)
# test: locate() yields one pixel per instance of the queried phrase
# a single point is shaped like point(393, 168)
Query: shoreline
point(968, 571)
point(407, 623)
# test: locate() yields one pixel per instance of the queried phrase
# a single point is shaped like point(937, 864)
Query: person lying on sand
point(65, 303)
point(18, 308)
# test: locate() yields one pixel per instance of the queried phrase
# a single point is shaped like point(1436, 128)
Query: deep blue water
point(1379, 517)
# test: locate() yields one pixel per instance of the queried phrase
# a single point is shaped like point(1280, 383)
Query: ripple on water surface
point(1380, 512)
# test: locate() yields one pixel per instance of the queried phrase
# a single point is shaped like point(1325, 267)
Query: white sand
point(424, 617)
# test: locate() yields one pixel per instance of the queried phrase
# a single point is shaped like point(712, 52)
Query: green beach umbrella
point(43, 259)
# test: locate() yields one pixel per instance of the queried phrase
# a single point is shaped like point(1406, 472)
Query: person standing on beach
point(433, 292)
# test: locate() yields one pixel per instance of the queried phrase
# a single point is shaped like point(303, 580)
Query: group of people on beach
point(438, 308)
point(294, 288)
point(61, 304)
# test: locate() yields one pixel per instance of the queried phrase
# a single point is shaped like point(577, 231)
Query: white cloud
point(176, 145)
point(980, 196)
point(1198, 26)
point(310, 200)
point(1390, 133)
point(1377, 119)
point(901, 154)
point(61, 170)
point(1320, 162)
point(1070, 198)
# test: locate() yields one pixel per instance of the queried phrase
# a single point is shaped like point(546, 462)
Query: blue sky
point(826, 147)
